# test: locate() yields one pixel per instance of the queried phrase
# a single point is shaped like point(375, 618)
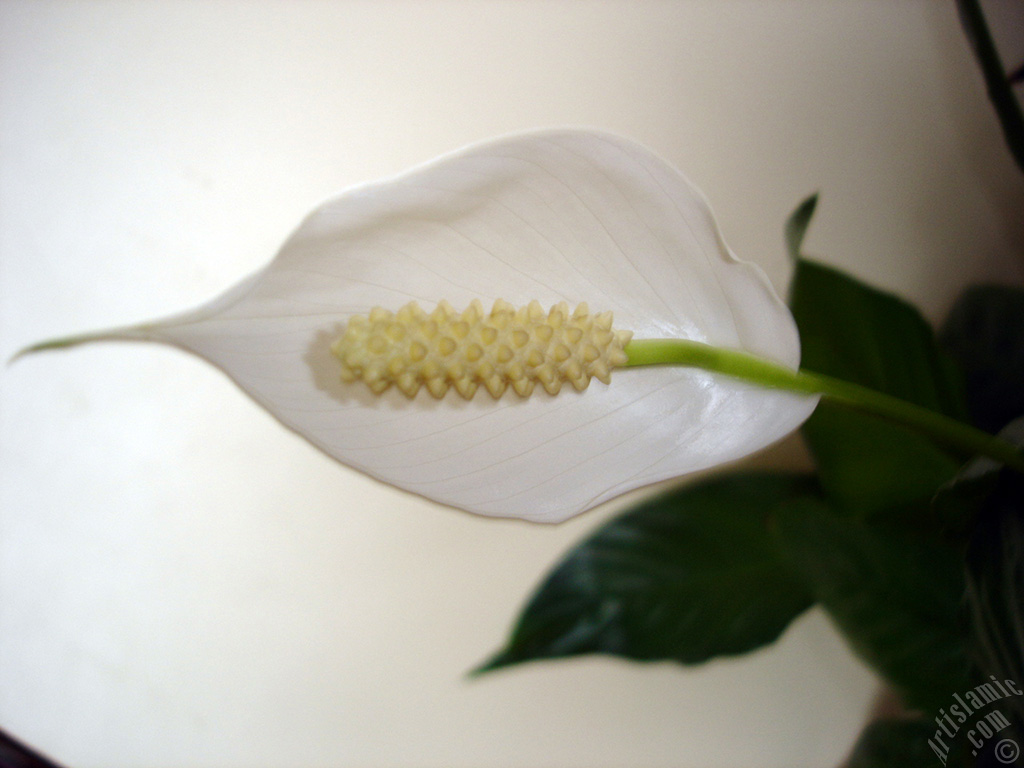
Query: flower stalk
point(552, 216)
point(741, 365)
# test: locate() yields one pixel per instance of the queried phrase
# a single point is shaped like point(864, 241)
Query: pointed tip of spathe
point(65, 342)
point(40, 346)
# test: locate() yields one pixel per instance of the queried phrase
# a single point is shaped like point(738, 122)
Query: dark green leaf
point(797, 224)
point(894, 596)
point(985, 334)
point(687, 576)
point(994, 602)
point(855, 332)
point(976, 486)
point(867, 465)
point(956, 504)
point(903, 743)
point(852, 331)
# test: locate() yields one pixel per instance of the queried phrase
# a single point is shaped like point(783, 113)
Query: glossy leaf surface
point(894, 594)
point(687, 576)
point(852, 331)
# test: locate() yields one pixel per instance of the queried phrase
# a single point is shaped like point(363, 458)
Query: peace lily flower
point(558, 216)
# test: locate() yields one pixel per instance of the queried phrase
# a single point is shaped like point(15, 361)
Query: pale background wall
point(184, 583)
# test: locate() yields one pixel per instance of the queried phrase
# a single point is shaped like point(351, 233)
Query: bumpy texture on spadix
point(552, 216)
point(505, 348)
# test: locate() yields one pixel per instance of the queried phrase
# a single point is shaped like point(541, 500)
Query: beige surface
point(181, 581)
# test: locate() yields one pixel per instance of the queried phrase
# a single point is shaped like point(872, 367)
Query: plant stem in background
point(740, 365)
point(1000, 87)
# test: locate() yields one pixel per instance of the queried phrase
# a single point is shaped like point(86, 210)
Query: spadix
point(507, 347)
point(556, 216)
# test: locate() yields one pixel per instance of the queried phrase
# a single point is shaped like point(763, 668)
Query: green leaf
point(994, 597)
point(903, 743)
point(868, 466)
point(984, 333)
point(797, 224)
point(976, 486)
point(894, 596)
point(859, 333)
point(687, 576)
point(852, 331)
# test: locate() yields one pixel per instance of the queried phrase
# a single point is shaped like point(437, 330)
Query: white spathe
point(555, 216)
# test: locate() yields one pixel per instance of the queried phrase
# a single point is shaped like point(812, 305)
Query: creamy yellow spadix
point(551, 215)
point(508, 347)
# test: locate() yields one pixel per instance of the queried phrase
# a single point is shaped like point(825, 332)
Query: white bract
point(555, 216)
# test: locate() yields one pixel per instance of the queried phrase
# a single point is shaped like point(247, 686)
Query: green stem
point(1000, 86)
point(765, 373)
